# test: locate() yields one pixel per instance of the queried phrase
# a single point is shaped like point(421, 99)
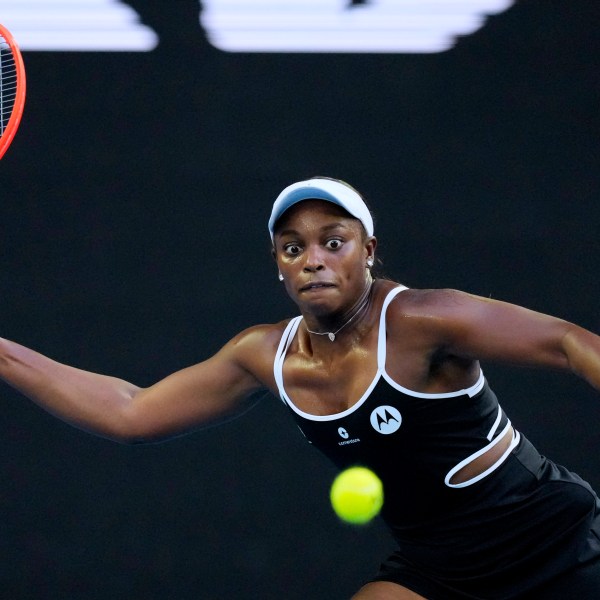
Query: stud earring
point(369, 262)
point(280, 277)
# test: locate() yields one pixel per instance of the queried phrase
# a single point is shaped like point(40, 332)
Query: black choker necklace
point(361, 304)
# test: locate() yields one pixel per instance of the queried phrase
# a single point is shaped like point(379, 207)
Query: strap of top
point(382, 340)
point(382, 354)
point(292, 327)
point(284, 344)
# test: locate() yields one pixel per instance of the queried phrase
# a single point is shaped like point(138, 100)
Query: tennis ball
point(356, 495)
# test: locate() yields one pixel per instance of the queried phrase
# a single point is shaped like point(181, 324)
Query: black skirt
point(513, 534)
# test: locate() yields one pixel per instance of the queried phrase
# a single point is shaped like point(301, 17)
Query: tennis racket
point(12, 89)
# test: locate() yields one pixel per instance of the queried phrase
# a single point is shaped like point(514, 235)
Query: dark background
point(133, 238)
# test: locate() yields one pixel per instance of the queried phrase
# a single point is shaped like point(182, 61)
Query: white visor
point(322, 189)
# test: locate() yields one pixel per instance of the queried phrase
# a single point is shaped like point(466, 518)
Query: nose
point(313, 260)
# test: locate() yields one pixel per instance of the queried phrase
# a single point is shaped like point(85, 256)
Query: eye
point(334, 244)
point(292, 249)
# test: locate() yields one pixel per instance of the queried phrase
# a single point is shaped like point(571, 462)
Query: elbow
point(582, 351)
point(129, 432)
point(573, 348)
point(127, 436)
point(126, 425)
point(117, 432)
point(133, 429)
point(131, 439)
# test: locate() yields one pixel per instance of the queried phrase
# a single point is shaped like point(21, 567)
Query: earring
point(369, 262)
point(280, 277)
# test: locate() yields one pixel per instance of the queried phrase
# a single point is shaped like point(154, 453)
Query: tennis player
point(378, 374)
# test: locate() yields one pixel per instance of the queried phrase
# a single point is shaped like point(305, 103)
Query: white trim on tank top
point(288, 337)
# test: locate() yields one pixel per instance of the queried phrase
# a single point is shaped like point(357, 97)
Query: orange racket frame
point(8, 45)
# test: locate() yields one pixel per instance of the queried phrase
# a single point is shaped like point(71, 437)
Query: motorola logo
point(386, 419)
point(343, 433)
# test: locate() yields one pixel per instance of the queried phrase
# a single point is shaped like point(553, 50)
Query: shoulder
point(434, 311)
point(256, 344)
point(263, 335)
point(417, 301)
point(449, 315)
point(251, 352)
point(432, 301)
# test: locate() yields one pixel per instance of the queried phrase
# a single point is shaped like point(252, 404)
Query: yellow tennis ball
point(356, 495)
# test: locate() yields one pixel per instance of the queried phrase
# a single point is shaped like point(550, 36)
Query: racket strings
point(8, 83)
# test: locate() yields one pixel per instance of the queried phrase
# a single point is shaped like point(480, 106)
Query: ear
point(370, 245)
point(274, 257)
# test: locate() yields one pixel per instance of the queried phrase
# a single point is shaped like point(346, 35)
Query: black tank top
point(414, 441)
point(496, 536)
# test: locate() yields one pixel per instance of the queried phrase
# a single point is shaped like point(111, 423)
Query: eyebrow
point(324, 229)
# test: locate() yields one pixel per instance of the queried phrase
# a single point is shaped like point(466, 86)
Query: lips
point(316, 285)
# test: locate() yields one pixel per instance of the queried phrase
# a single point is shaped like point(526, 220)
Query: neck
point(350, 316)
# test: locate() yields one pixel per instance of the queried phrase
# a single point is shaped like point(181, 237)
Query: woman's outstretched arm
point(121, 411)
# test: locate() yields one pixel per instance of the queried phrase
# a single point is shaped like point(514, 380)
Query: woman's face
point(322, 253)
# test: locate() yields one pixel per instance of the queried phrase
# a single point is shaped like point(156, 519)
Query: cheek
point(287, 263)
point(289, 269)
point(354, 262)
